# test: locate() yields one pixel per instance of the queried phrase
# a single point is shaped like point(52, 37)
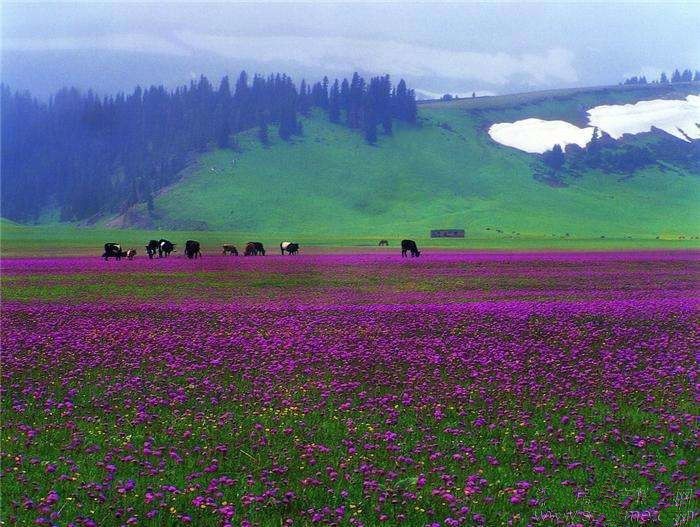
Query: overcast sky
point(439, 47)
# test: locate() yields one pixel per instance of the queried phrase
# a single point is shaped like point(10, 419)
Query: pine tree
point(370, 126)
point(370, 107)
point(399, 100)
point(324, 93)
point(304, 99)
point(334, 103)
point(288, 120)
point(355, 100)
point(262, 131)
point(344, 95)
point(383, 101)
point(676, 77)
point(404, 104)
point(224, 93)
point(242, 101)
point(90, 155)
point(696, 78)
point(411, 107)
point(224, 135)
point(554, 158)
point(663, 79)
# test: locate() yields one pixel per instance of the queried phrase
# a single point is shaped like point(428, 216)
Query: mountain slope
point(445, 173)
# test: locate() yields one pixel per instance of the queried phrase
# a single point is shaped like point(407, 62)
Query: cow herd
point(114, 250)
point(163, 248)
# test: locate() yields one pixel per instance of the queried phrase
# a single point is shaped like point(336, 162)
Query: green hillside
point(445, 173)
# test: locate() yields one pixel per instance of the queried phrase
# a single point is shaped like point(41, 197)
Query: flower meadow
point(454, 389)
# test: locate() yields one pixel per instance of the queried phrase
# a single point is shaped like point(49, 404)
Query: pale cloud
point(135, 42)
point(347, 54)
point(332, 54)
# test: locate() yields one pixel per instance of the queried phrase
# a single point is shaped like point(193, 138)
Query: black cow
point(291, 248)
point(152, 248)
point(165, 247)
point(192, 249)
point(130, 254)
point(254, 249)
point(409, 245)
point(113, 250)
point(383, 243)
point(229, 249)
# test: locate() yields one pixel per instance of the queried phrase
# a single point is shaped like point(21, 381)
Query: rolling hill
point(444, 173)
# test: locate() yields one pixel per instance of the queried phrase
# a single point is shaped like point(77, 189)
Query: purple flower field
point(453, 389)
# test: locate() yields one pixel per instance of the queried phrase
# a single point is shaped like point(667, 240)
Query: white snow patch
point(671, 116)
point(679, 118)
point(536, 136)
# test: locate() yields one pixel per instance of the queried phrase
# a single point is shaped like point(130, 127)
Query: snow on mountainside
point(679, 118)
point(536, 136)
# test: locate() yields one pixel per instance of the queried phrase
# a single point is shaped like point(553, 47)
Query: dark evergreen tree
point(355, 100)
point(411, 107)
point(243, 102)
point(344, 96)
point(404, 104)
point(304, 99)
point(383, 103)
point(663, 79)
point(223, 140)
point(319, 94)
point(324, 94)
point(370, 125)
point(88, 155)
point(288, 121)
point(262, 131)
point(334, 103)
point(554, 158)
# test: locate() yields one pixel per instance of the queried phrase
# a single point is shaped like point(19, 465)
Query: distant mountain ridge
point(444, 172)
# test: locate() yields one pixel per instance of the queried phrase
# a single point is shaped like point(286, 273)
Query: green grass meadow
point(328, 187)
point(331, 183)
point(67, 240)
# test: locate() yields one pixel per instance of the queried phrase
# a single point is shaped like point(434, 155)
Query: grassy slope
point(330, 183)
point(330, 188)
point(67, 240)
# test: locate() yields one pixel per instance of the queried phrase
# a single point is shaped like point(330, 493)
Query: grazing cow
point(130, 254)
point(152, 248)
point(409, 245)
point(165, 247)
point(113, 250)
point(192, 249)
point(254, 249)
point(291, 248)
point(383, 243)
point(229, 249)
